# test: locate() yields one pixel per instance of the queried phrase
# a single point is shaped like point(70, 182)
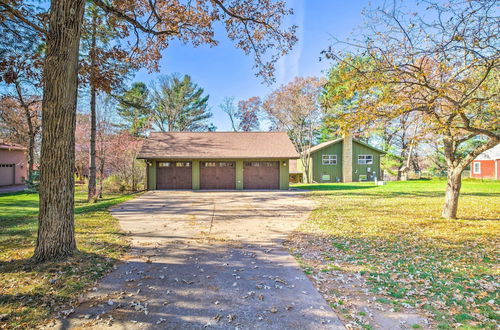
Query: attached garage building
point(217, 160)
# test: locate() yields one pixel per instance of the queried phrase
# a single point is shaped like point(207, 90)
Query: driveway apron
point(207, 259)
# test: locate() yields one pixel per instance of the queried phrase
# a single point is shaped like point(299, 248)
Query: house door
point(217, 175)
point(174, 175)
point(261, 175)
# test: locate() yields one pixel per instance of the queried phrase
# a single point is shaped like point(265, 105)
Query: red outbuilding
point(487, 164)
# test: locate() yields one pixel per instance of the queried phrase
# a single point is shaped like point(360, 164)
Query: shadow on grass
point(102, 204)
point(66, 265)
point(45, 286)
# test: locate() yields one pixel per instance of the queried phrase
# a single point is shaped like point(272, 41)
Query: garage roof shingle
point(217, 145)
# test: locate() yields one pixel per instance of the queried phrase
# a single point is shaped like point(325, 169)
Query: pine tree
point(178, 104)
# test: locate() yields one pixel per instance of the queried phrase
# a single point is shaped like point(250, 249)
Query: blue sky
point(225, 71)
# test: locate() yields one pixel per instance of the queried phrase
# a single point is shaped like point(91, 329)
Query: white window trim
point(478, 170)
point(364, 160)
point(331, 160)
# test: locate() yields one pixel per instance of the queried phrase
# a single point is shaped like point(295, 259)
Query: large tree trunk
point(452, 193)
point(56, 233)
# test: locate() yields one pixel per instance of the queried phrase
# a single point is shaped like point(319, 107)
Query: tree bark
point(56, 233)
point(93, 120)
point(453, 186)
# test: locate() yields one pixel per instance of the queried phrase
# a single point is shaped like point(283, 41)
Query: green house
point(217, 160)
point(341, 160)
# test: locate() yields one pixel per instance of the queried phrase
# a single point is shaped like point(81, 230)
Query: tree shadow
point(186, 284)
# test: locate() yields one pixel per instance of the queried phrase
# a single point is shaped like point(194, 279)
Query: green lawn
point(393, 236)
point(31, 293)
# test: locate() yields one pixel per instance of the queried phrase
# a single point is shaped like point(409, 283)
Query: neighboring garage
point(217, 160)
point(13, 167)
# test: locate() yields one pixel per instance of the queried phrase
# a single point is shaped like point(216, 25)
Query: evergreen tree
point(133, 107)
point(178, 104)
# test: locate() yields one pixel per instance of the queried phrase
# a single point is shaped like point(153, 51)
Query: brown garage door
point(217, 175)
point(174, 175)
point(261, 175)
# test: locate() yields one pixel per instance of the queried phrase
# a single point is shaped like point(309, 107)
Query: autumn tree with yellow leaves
point(440, 64)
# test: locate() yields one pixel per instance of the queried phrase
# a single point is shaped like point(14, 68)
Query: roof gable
point(493, 153)
point(217, 145)
point(329, 143)
point(11, 146)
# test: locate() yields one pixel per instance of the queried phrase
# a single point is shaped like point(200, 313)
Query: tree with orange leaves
point(248, 114)
point(295, 108)
point(441, 66)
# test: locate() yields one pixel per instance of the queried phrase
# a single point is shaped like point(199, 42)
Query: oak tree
point(248, 114)
point(441, 64)
point(295, 108)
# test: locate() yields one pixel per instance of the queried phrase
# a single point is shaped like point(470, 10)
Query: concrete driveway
point(207, 260)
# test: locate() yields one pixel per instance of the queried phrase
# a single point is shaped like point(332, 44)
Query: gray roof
point(493, 153)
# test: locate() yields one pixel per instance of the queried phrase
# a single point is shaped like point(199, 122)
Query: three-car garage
point(217, 160)
point(214, 175)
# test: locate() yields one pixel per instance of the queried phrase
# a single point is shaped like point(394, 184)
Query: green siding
point(239, 175)
point(334, 171)
point(196, 174)
point(360, 169)
point(284, 170)
point(152, 175)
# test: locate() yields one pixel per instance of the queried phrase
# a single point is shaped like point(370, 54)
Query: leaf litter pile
point(383, 253)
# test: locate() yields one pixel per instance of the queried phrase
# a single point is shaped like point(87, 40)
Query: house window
point(477, 167)
point(365, 159)
point(209, 164)
point(226, 164)
point(329, 159)
point(164, 164)
point(268, 164)
point(183, 164)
